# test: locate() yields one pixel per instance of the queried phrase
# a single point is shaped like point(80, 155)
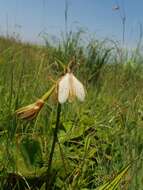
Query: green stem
point(47, 94)
point(48, 181)
point(62, 157)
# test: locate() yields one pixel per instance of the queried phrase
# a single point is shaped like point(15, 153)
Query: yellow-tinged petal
point(30, 111)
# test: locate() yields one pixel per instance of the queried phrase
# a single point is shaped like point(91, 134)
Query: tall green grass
point(96, 139)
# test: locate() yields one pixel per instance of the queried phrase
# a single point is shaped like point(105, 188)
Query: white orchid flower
point(70, 87)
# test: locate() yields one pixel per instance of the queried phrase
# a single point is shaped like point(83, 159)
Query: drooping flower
point(70, 87)
point(30, 112)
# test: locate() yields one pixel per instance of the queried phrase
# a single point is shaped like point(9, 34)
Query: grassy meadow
point(96, 138)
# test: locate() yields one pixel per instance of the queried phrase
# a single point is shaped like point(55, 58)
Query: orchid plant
point(67, 87)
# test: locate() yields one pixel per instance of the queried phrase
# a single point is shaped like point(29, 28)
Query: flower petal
point(63, 88)
point(78, 88)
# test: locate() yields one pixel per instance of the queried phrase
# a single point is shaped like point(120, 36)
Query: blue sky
point(31, 17)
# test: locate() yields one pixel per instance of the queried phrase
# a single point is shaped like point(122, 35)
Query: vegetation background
point(97, 138)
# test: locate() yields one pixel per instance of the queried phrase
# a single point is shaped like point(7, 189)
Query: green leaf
point(112, 185)
point(31, 150)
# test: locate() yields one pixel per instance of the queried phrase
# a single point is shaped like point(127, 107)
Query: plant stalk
point(47, 94)
point(48, 181)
